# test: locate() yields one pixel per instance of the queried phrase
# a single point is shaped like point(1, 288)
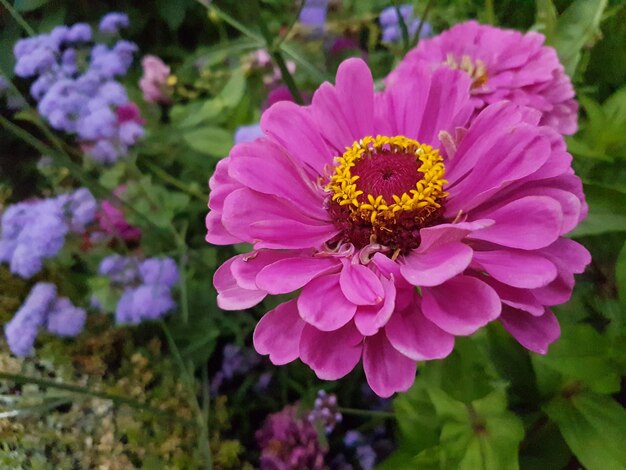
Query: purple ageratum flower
point(439, 204)
point(248, 133)
point(35, 55)
point(21, 331)
point(313, 14)
point(288, 440)
point(79, 32)
point(146, 302)
point(503, 65)
point(112, 22)
point(390, 23)
point(325, 411)
point(80, 209)
point(121, 270)
point(64, 319)
point(159, 271)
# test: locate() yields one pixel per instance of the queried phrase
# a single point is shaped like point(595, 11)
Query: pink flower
point(153, 83)
point(113, 222)
point(503, 65)
point(401, 224)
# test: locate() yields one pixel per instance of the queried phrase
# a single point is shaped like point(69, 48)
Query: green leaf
point(593, 427)
point(29, 5)
point(154, 202)
point(577, 27)
point(172, 12)
point(546, 19)
point(417, 418)
point(583, 354)
point(607, 212)
point(212, 141)
point(620, 275)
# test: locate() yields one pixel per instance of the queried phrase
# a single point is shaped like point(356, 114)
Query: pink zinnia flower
point(153, 83)
point(360, 198)
point(503, 65)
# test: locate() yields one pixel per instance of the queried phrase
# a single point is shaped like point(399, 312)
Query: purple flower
point(21, 331)
point(112, 22)
point(248, 133)
point(313, 14)
point(325, 411)
point(80, 32)
point(81, 209)
point(64, 319)
point(159, 271)
point(146, 302)
point(390, 23)
point(119, 269)
point(288, 441)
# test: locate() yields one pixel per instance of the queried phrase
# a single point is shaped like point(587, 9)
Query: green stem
point(418, 31)
point(403, 28)
point(490, 13)
point(188, 379)
point(280, 40)
point(165, 176)
point(19, 19)
point(116, 399)
point(370, 413)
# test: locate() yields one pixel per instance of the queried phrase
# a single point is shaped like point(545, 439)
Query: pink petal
point(387, 370)
point(323, 305)
point(360, 285)
point(246, 267)
point(517, 268)
point(278, 333)
point(417, 337)
point(216, 232)
point(433, 237)
point(291, 274)
point(294, 128)
point(370, 318)
point(333, 354)
point(461, 306)
point(534, 333)
point(437, 265)
point(231, 296)
point(539, 218)
point(288, 180)
point(522, 299)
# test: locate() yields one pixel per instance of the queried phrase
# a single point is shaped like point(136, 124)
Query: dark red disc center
point(386, 175)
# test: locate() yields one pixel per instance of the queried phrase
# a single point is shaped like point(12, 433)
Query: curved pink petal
point(216, 232)
point(461, 306)
point(517, 268)
point(522, 299)
point(360, 285)
point(231, 296)
point(294, 128)
point(278, 333)
point(370, 318)
point(323, 305)
point(411, 333)
point(534, 333)
point(437, 265)
point(332, 354)
point(539, 217)
point(387, 370)
point(291, 273)
point(246, 267)
point(287, 180)
point(442, 234)
point(568, 255)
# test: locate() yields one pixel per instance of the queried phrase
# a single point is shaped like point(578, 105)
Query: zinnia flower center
point(384, 189)
point(475, 69)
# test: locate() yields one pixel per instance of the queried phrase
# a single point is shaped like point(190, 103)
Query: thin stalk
point(278, 57)
point(189, 381)
point(490, 13)
point(370, 413)
point(165, 176)
point(280, 40)
point(182, 269)
point(19, 19)
point(403, 29)
point(420, 26)
point(116, 399)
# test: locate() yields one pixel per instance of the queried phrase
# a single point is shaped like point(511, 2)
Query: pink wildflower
point(113, 222)
point(153, 83)
point(360, 198)
point(503, 65)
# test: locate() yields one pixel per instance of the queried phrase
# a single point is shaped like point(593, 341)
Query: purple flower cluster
point(75, 85)
point(313, 14)
point(32, 231)
point(325, 411)
point(42, 309)
point(236, 361)
point(390, 23)
point(147, 286)
point(287, 441)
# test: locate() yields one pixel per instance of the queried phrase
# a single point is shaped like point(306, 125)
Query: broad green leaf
point(583, 354)
point(607, 212)
point(593, 427)
point(153, 202)
point(620, 275)
point(417, 418)
point(544, 447)
point(577, 27)
point(546, 19)
point(173, 13)
point(212, 141)
point(234, 89)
